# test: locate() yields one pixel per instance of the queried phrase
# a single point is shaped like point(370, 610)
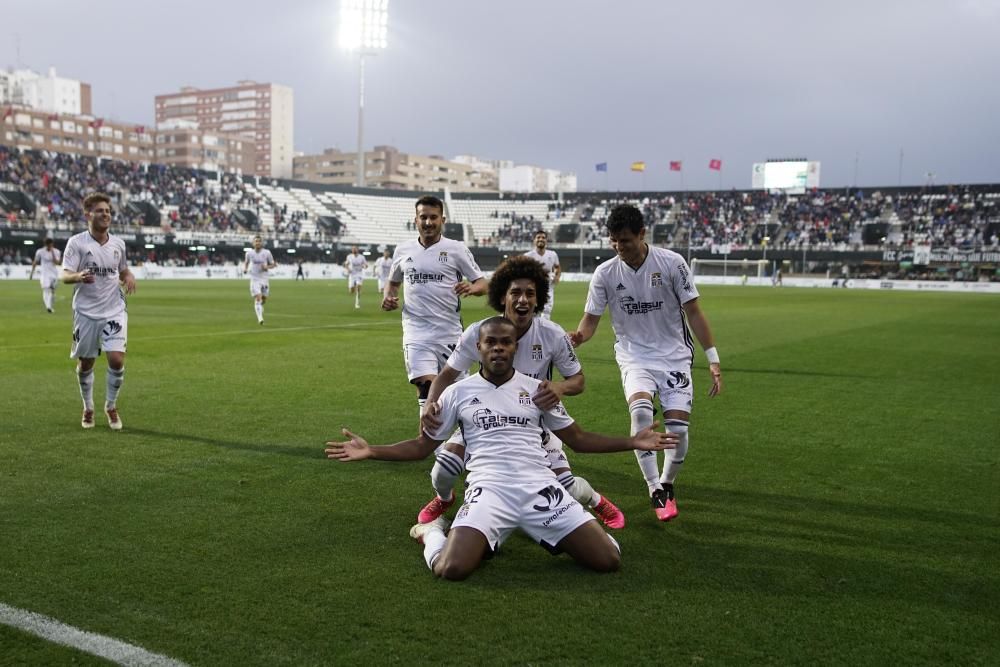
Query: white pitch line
point(240, 332)
point(108, 648)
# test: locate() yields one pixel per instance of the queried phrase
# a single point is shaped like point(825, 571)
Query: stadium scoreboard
point(791, 176)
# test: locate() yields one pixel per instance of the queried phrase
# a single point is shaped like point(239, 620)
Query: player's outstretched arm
point(585, 330)
point(585, 442)
point(357, 448)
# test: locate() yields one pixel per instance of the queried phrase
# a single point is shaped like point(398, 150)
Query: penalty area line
point(108, 648)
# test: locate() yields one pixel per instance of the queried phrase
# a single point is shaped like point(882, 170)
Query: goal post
point(729, 267)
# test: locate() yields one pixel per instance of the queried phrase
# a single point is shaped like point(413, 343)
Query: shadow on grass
point(282, 450)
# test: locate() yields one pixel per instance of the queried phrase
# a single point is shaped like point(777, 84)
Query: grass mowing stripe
point(109, 648)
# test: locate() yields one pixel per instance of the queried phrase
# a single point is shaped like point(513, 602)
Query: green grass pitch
point(840, 502)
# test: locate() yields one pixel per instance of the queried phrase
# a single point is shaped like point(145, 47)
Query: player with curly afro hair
point(517, 268)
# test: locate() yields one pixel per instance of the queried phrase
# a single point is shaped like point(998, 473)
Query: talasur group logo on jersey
point(524, 398)
point(443, 256)
point(632, 307)
point(419, 278)
point(486, 419)
point(101, 270)
point(655, 279)
point(536, 352)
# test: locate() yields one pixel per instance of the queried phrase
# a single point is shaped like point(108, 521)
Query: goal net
point(729, 267)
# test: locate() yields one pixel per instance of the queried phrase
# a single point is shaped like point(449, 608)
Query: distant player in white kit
point(653, 300)
point(510, 484)
point(432, 267)
point(94, 261)
point(259, 261)
point(382, 269)
point(356, 265)
point(49, 258)
point(550, 260)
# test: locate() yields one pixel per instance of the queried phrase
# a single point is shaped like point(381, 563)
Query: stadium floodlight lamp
point(364, 25)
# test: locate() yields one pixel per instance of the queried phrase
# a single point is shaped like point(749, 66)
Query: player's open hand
point(649, 439)
point(546, 397)
point(716, 371)
point(355, 449)
point(430, 420)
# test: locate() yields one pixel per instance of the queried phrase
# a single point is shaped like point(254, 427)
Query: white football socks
point(86, 379)
point(434, 540)
point(674, 458)
point(642, 417)
point(445, 472)
point(115, 380)
point(258, 308)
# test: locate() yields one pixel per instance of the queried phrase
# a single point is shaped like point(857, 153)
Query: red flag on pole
point(9, 111)
point(53, 116)
point(675, 165)
point(715, 164)
point(140, 129)
point(97, 124)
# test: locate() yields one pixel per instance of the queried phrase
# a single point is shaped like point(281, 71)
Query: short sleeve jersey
point(356, 264)
point(103, 298)
point(502, 428)
point(550, 260)
point(48, 261)
point(543, 346)
point(258, 260)
point(645, 303)
point(383, 266)
point(431, 309)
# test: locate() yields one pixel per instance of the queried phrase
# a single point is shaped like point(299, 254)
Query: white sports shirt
point(383, 267)
point(650, 328)
point(429, 275)
point(502, 428)
point(48, 262)
point(544, 345)
point(356, 265)
point(550, 260)
point(258, 260)
point(103, 298)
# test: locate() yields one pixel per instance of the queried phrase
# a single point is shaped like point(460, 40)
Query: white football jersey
point(383, 267)
point(650, 327)
point(431, 309)
point(258, 260)
point(103, 298)
point(356, 265)
point(48, 261)
point(550, 260)
point(502, 428)
point(544, 345)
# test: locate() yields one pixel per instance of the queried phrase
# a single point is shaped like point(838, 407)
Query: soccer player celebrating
point(518, 289)
point(510, 484)
point(382, 269)
point(432, 267)
point(356, 265)
point(652, 300)
point(94, 261)
point(49, 258)
point(259, 261)
point(550, 260)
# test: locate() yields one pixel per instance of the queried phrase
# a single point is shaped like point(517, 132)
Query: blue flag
point(602, 166)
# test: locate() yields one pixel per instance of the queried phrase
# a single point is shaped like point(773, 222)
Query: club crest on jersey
point(655, 280)
point(443, 256)
point(524, 398)
point(632, 307)
point(536, 352)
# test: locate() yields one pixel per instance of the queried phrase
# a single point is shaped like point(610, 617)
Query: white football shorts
point(355, 281)
point(546, 512)
point(92, 336)
point(426, 358)
point(259, 287)
point(675, 388)
point(48, 280)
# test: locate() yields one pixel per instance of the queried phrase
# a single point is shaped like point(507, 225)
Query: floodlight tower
point(363, 28)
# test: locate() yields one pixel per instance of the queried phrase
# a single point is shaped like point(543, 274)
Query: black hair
point(516, 268)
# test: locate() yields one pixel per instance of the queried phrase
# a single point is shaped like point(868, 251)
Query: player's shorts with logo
point(91, 336)
point(259, 287)
point(426, 358)
point(676, 388)
point(48, 280)
point(355, 281)
point(545, 511)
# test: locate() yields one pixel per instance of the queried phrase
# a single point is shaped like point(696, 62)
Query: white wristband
point(712, 355)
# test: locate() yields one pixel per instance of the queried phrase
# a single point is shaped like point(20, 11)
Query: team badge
point(655, 280)
point(536, 352)
point(524, 398)
point(443, 256)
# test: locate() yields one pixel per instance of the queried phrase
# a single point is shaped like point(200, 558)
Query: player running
point(259, 261)
point(550, 260)
point(49, 258)
point(356, 265)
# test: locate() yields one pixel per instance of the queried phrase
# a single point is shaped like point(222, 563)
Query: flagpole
point(682, 174)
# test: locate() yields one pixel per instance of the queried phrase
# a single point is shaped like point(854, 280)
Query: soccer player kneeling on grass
point(94, 261)
point(510, 483)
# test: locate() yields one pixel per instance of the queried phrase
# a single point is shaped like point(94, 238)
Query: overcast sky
point(570, 83)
